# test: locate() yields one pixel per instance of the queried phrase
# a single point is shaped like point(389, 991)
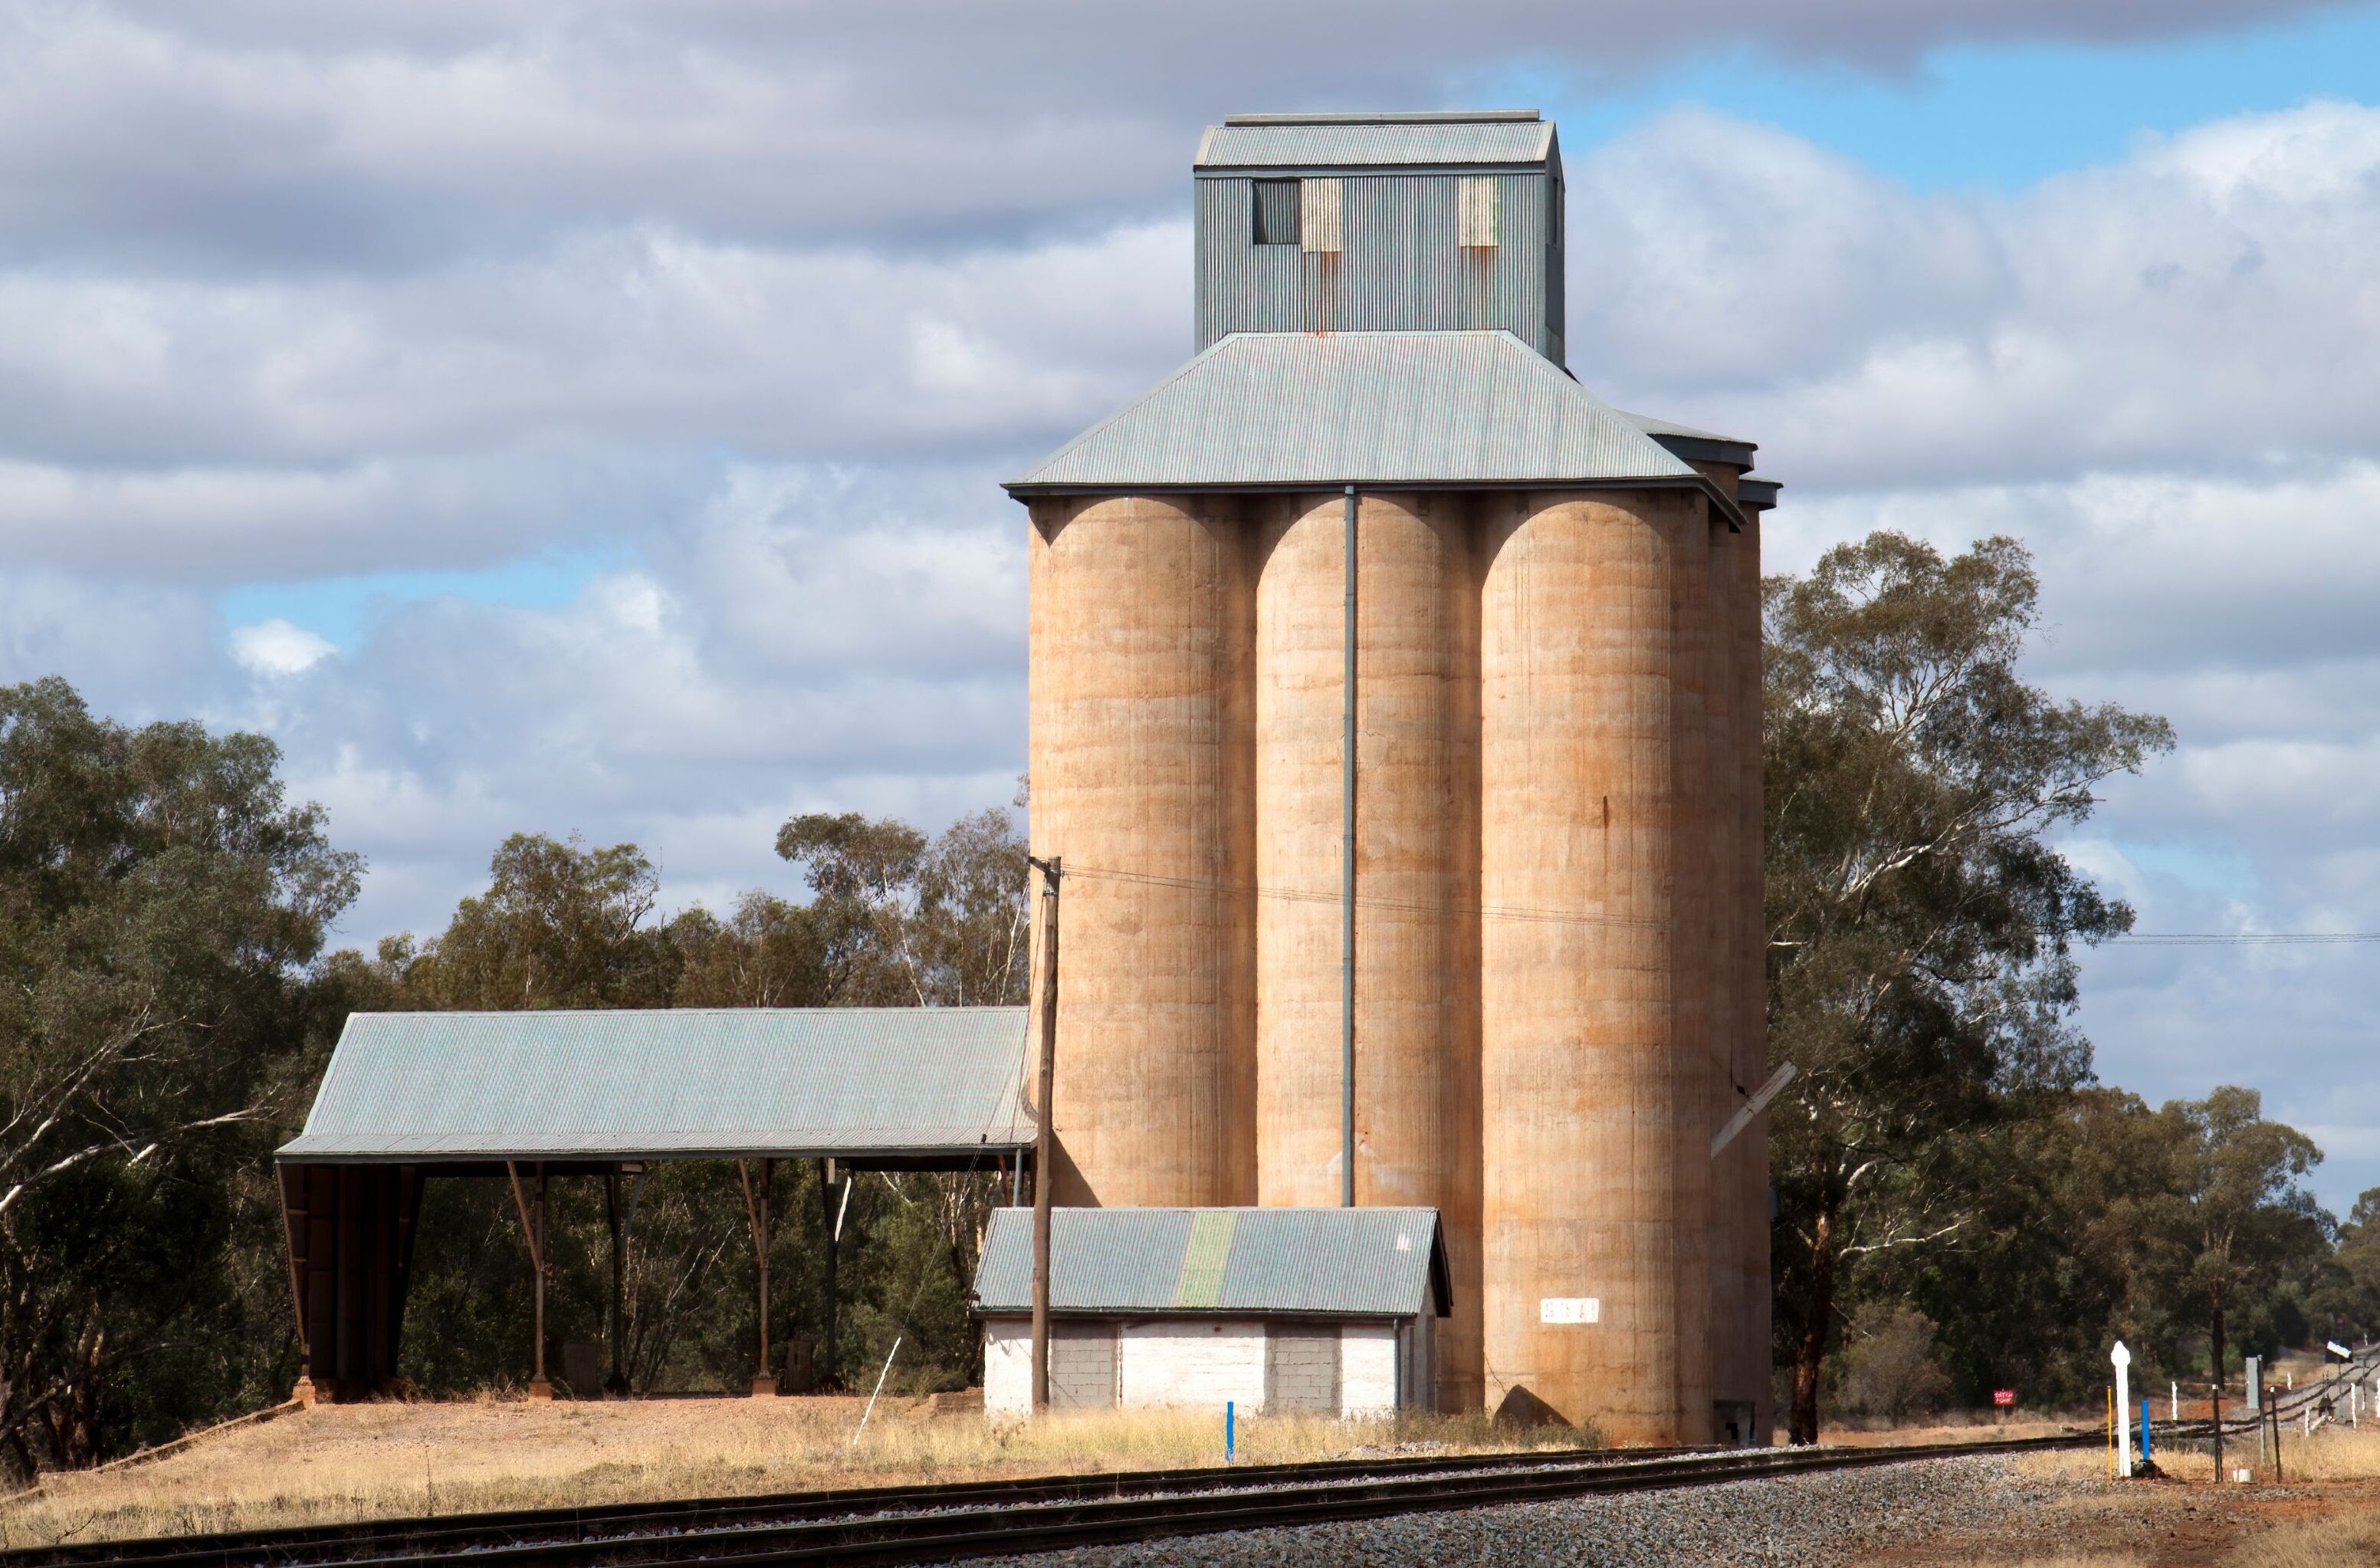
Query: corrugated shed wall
point(1399, 265)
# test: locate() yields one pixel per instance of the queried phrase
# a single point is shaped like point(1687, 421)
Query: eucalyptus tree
point(160, 901)
point(1921, 922)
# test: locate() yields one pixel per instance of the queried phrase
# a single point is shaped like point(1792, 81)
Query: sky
point(588, 417)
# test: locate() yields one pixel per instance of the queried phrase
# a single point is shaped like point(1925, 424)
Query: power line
point(1367, 900)
point(2244, 939)
point(1574, 917)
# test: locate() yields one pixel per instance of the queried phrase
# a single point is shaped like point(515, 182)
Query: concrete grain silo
point(1555, 962)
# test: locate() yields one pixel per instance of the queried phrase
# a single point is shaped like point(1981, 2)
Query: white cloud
point(275, 648)
point(754, 305)
point(2191, 309)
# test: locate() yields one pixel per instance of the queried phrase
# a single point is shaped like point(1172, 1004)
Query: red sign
point(2003, 1397)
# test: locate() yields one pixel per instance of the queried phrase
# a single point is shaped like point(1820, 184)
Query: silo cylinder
point(1587, 1095)
point(1141, 756)
point(1416, 1018)
point(1748, 1193)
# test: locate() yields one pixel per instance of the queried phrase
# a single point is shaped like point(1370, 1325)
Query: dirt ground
point(379, 1459)
point(339, 1463)
point(2327, 1514)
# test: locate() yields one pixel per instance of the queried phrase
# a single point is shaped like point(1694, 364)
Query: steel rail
point(913, 1524)
point(460, 1532)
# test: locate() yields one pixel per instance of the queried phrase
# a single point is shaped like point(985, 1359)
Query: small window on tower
point(1479, 211)
point(1276, 212)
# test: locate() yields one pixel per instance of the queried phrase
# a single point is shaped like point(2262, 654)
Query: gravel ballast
point(1789, 1522)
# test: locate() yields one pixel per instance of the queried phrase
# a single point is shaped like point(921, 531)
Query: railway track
point(957, 1523)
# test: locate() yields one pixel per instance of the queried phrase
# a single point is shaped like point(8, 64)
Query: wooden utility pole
point(1045, 1137)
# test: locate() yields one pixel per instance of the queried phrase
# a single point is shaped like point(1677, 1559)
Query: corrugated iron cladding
point(1392, 144)
point(1399, 267)
point(684, 1082)
point(1347, 1262)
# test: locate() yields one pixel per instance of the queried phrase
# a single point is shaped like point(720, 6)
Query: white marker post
point(2123, 1360)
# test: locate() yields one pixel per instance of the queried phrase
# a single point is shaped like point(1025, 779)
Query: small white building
point(1330, 1311)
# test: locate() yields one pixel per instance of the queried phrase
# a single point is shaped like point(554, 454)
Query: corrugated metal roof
point(1367, 407)
point(1330, 1263)
point(1758, 494)
point(682, 1082)
point(1387, 142)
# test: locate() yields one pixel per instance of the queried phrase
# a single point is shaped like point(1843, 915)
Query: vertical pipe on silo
point(1141, 763)
point(1416, 1070)
point(1579, 1029)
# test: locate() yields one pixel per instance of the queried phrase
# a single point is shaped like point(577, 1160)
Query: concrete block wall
point(1200, 1361)
point(1008, 1367)
point(1368, 1369)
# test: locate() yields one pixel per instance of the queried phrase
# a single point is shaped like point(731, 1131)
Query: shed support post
point(756, 1210)
point(533, 1227)
point(617, 1384)
point(828, 1377)
point(298, 1219)
point(539, 1387)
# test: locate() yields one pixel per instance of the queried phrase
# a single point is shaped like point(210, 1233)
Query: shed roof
point(1323, 1262)
point(1272, 410)
point(907, 1083)
point(1493, 138)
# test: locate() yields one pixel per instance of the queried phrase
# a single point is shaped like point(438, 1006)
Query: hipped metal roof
point(852, 1082)
point(1272, 410)
point(1504, 139)
point(1322, 1262)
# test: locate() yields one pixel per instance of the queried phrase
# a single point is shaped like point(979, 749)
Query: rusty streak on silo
point(1556, 711)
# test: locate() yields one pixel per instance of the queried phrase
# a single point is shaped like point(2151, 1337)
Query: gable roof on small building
point(1298, 410)
point(1210, 1262)
point(909, 1084)
point(1490, 138)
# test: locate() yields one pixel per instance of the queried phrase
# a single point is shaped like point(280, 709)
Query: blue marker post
point(1227, 1431)
point(2144, 1431)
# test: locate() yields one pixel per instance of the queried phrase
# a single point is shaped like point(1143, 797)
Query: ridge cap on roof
point(871, 1011)
point(1390, 118)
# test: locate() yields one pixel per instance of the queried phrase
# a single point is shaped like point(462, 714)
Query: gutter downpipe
point(1347, 894)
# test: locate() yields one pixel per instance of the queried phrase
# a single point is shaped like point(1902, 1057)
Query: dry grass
point(355, 1461)
point(2332, 1453)
point(2339, 1540)
point(2086, 1560)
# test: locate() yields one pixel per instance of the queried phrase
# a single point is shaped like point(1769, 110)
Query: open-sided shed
point(523, 1097)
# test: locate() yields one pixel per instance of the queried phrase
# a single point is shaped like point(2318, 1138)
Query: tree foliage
point(1921, 923)
point(159, 902)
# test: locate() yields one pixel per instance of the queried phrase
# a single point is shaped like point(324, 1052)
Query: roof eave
point(1029, 489)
